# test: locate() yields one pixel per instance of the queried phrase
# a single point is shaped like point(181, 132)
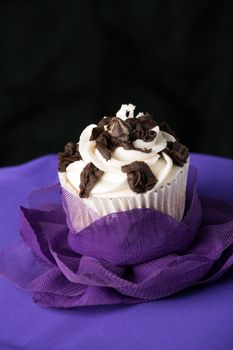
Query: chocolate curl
point(104, 144)
point(70, 155)
point(178, 152)
point(145, 135)
point(88, 178)
point(164, 126)
point(140, 177)
point(104, 121)
point(117, 135)
point(142, 128)
point(147, 121)
point(118, 127)
point(96, 132)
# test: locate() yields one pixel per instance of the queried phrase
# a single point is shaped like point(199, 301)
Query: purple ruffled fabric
point(126, 257)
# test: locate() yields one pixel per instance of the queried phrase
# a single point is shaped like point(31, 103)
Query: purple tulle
point(124, 257)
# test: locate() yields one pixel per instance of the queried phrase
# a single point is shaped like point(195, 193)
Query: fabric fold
point(128, 257)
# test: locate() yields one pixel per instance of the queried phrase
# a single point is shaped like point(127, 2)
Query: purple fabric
point(136, 236)
point(126, 257)
point(190, 319)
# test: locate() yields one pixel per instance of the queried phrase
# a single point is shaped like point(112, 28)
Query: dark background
point(65, 64)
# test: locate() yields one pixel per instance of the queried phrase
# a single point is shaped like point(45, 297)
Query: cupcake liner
point(78, 214)
point(169, 199)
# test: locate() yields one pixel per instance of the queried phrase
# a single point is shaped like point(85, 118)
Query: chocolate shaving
point(116, 141)
point(118, 127)
point(178, 152)
point(133, 122)
point(71, 154)
point(145, 135)
point(140, 177)
point(104, 121)
point(166, 128)
point(137, 134)
point(70, 148)
point(149, 135)
point(96, 132)
point(147, 120)
point(104, 145)
point(118, 136)
point(88, 178)
point(113, 132)
point(142, 128)
point(104, 151)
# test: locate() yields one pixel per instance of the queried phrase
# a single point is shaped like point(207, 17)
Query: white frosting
point(113, 182)
point(122, 113)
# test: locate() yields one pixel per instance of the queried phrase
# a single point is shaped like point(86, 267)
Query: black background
point(66, 64)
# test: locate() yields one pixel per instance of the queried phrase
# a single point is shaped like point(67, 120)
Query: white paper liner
point(169, 198)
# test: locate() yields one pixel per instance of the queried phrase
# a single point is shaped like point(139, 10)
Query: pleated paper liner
point(169, 199)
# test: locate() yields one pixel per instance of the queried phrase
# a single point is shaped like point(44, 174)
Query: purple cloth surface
point(198, 318)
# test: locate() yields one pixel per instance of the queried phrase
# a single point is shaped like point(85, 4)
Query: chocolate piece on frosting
point(136, 134)
point(104, 121)
point(140, 177)
point(88, 178)
point(70, 148)
point(71, 154)
point(147, 121)
point(145, 135)
point(149, 135)
point(104, 151)
point(178, 152)
point(165, 127)
point(141, 128)
point(136, 124)
point(119, 133)
point(117, 127)
point(103, 144)
point(127, 144)
point(95, 133)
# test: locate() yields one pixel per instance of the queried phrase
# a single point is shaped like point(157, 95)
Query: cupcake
point(125, 162)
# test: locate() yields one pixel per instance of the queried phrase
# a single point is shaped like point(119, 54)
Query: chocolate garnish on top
point(145, 135)
point(104, 144)
point(115, 135)
point(148, 121)
point(117, 127)
point(142, 126)
point(178, 152)
point(96, 132)
point(140, 177)
point(88, 178)
point(70, 155)
point(113, 132)
point(104, 121)
point(164, 126)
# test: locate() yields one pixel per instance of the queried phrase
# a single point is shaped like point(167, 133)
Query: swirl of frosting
point(113, 182)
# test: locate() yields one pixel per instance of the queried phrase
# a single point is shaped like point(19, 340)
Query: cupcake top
point(123, 155)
